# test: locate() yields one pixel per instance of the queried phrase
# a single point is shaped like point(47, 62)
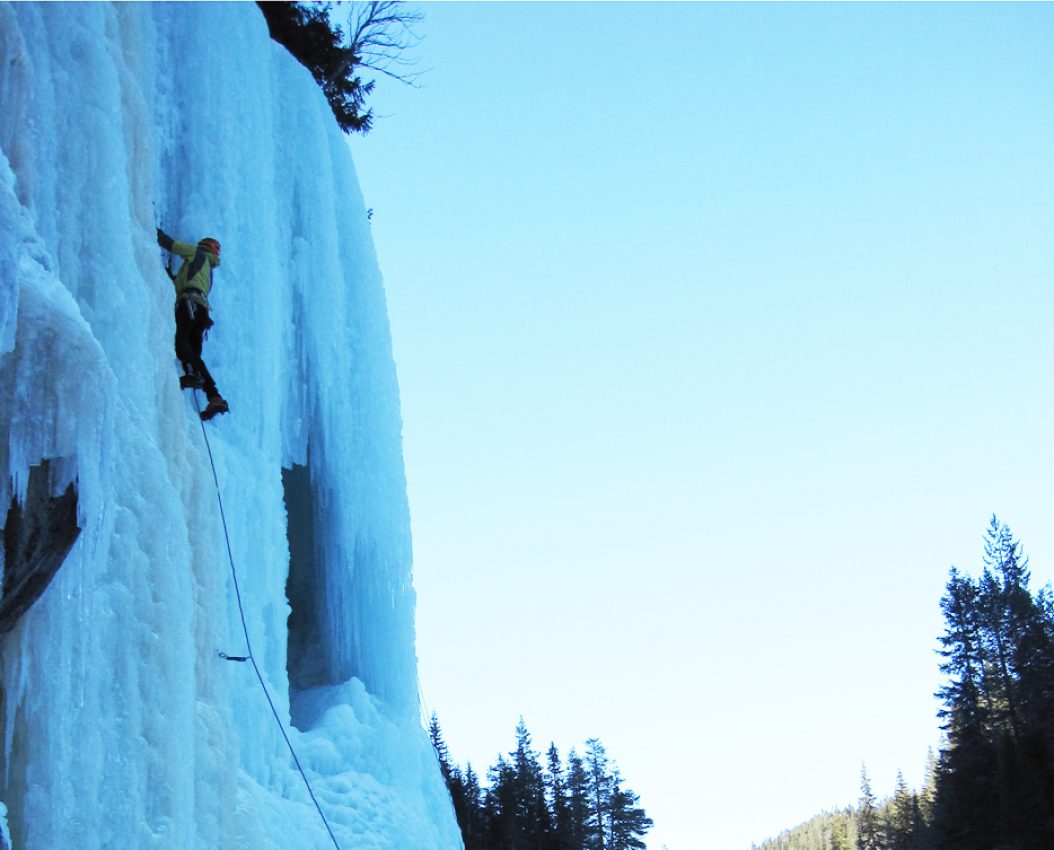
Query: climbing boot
point(215, 407)
point(191, 382)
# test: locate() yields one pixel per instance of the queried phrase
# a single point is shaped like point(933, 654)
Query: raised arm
point(174, 246)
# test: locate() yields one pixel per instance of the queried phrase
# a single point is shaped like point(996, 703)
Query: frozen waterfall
point(122, 727)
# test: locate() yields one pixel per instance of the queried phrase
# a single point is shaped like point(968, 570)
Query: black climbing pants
point(192, 321)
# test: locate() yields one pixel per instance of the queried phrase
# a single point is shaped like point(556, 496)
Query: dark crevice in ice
point(38, 535)
point(312, 659)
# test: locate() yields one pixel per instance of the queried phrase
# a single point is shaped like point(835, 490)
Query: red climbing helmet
point(210, 244)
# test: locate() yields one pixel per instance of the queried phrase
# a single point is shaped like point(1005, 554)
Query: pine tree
point(562, 837)
point(867, 833)
point(435, 734)
point(966, 802)
point(968, 705)
point(994, 780)
point(578, 800)
point(502, 807)
point(627, 822)
point(929, 787)
point(465, 809)
point(599, 795)
point(900, 827)
point(532, 808)
point(516, 803)
point(473, 823)
point(1001, 610)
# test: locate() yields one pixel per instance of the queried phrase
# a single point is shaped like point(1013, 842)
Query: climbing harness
point(248, 646)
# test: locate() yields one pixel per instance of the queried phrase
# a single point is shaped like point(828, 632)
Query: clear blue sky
point(722, 330)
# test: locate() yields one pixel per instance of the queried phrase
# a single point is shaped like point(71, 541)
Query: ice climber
point(193, 282)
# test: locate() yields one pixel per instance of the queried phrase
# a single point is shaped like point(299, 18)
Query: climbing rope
point(248, 646)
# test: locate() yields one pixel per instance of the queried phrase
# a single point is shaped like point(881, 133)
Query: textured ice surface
point(122, 728)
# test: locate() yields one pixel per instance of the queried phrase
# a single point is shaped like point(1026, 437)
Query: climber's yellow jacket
point(194, 278)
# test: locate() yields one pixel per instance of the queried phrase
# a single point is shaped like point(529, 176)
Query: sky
point(722, 330)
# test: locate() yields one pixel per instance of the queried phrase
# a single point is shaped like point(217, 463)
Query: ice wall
point(122, 727)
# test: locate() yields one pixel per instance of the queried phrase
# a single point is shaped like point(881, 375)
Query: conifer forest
point(525, 805)
point(991, 787)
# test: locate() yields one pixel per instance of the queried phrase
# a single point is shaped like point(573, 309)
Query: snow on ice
point(122, 727)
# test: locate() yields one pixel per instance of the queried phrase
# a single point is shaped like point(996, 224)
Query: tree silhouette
point(379, 36)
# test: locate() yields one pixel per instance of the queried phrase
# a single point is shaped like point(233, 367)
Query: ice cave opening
point(311, 660)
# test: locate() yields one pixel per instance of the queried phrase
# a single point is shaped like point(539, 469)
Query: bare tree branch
point(381, 34)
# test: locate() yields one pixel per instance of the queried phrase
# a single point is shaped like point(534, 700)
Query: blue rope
point(245, 628)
